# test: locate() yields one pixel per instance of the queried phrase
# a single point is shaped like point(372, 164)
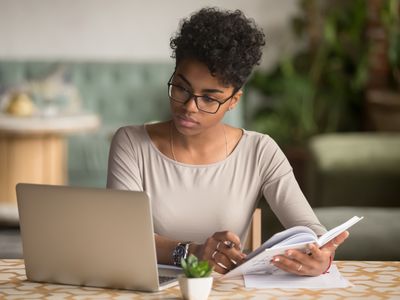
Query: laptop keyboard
point(166, 279)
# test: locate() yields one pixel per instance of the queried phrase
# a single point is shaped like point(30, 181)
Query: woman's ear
point(235, 99)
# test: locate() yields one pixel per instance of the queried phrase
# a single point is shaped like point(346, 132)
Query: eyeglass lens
point(203, 103)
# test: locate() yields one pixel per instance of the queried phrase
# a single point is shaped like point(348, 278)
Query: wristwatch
point(180, 251)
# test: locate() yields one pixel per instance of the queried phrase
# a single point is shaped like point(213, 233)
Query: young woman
point(205, 178)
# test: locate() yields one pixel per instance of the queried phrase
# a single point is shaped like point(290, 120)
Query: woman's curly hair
point(226, 41)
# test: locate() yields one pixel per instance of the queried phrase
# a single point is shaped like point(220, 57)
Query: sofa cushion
point(354, 169)
point(376, 237)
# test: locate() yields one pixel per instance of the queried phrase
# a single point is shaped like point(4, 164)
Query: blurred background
point(327, 90)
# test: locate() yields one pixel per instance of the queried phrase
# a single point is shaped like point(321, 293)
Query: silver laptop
point(91, 237)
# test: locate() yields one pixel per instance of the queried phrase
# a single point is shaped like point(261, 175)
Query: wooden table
point(33, 149)
point(371, 280)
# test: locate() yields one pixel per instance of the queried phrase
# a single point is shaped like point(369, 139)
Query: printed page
point(334, 232)
point(261, 262)
point(294, 235)
point(280, 279)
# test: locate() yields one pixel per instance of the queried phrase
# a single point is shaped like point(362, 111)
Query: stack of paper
point(280, 279)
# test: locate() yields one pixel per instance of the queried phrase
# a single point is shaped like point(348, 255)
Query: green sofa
point(358, 174)
point(121, 93)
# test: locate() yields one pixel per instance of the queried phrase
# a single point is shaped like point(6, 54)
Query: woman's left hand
point(313, 264)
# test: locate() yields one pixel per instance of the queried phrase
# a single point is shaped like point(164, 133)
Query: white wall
point(120, 29)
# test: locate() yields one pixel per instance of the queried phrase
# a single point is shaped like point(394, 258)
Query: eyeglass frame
point(196, 96)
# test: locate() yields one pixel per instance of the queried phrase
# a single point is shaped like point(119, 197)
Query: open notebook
point(297, 237)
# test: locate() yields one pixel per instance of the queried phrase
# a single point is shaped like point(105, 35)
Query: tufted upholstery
point(121, 93)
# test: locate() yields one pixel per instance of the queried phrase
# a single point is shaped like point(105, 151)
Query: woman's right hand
point(222, 250)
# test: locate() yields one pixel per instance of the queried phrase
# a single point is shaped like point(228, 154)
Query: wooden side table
point(33, 149)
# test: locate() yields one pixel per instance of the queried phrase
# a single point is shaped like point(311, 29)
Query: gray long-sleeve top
point(191, 202)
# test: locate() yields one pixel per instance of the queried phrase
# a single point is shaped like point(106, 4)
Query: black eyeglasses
point(203, 103)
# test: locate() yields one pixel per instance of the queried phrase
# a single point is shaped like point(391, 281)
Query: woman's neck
point(208, 147)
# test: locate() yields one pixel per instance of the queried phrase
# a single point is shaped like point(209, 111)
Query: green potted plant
point(318, 89)
point(196, 283)
point(383, 90)
point(321, 87)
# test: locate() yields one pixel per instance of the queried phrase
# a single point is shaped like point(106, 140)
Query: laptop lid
point(88, 236)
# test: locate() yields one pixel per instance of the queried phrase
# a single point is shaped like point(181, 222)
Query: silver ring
point(218, 263)
point(299, 268)
point(335, 245)
point(233, 261)
point(229, 244)
point(221, 265)
point(219, 243)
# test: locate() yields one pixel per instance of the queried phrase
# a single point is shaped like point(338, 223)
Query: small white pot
point(195, 288)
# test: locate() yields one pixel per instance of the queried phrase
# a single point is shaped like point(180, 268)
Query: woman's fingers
point(336, 242)
point(295, 261)
point(299, 256)
point(229, 238)
point(222, 264)
point(233, 254)
point(318, 254)
point(223, 251)
point(229, 244)
point(312, 264)
point(290, 265)
point(298, 262)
